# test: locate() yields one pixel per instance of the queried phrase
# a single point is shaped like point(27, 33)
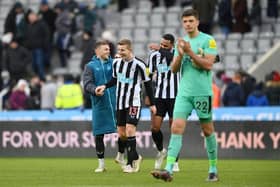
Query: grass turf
point(79, 172)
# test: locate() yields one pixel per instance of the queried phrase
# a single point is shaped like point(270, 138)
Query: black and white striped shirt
point(167, 83)
point(129, 77)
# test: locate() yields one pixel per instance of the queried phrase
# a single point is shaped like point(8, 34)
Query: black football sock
point(131, 150)
point(122, 145)
point(99, 146)
point(158, 139)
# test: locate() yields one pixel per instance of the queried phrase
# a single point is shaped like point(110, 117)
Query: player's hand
point(181, 46)
point(99, 90)
point(117, 56)
point(153, 109)
point(154, 46)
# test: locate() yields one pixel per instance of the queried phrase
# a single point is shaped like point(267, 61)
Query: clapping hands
point(183, 46)
point(99, 90)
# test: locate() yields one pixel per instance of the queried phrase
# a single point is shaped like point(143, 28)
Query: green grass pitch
point(79, 172)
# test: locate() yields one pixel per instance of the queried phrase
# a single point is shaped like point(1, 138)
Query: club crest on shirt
point(147, 71)
point(212, 44)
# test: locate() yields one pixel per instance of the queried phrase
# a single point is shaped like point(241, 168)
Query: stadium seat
point(127, 21)
point(219, 36)
point(172, 19)
point(266, 35)
point(144, 10)
point(140, 35)
point(171, 30)
point(142, 20)
point(232, 47)
point(125, 33)
point(276, 40)
point(234, 36)
point(155, 35)
point(220, 46)
point(246, 61)
point(174, 9)
point(248, 46)
point(129, 11)
point(250, 35)
point(157, 20)
point(140, 50)
point(231, 62)
point(263, 45)
point(277, 30)
point(219, 66)
point(266, 27)
point(159, 10)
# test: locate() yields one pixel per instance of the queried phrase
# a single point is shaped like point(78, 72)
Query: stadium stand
point(144, 25)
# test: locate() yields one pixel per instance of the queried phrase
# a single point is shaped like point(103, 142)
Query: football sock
point(131, 149)
point(101, 162)
point(174, 148)
point(177, 158)
point(211, 147)
point(122, 145)
point(99, 146)
point(158, 139)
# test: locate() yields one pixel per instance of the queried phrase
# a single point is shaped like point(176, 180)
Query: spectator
point(16, 60)
point(272, 88)
point(63, 24)
point(69, 95)
point(89, 18)
point(48, 15)
point(122, 4)
point(100, 8)
point(257, 97)
point(255, 13)
point(234, 94)
point(111, 39)
point(225, 16)
point(88, 44)
point(167, 3)
point(18, 97)
point(1, 66)
point(70, 5)
point(15, 22)
point(216, 95)
point(38, 41)
point(248, 83)
point(48, 93)
point(241, 17)
point(206, 10)
point(34, 101)
point(272, 8)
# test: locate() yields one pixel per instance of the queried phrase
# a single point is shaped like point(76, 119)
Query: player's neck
point(193, 34)
point(129, 58)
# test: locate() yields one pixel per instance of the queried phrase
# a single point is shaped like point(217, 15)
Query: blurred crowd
point(31, 38)
point(242, 89)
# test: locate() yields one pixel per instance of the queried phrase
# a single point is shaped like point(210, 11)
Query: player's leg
point(100, 148)
point(170, 107)
point(121, 121)
point(156, 132)
point(211, 148)
point(133, 158)
point(182, 109)
point(203, 107)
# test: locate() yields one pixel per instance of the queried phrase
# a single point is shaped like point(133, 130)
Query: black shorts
point(163, 106)
point(129, 115)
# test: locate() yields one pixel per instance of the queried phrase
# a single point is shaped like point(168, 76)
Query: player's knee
point(155, 128)
point(178, 126)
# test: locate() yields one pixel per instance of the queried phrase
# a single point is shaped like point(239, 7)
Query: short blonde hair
point(126, 42)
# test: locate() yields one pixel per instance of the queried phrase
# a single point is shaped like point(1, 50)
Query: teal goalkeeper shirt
point(194, 80)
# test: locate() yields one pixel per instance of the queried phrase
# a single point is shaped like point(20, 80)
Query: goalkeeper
point(194, 56)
